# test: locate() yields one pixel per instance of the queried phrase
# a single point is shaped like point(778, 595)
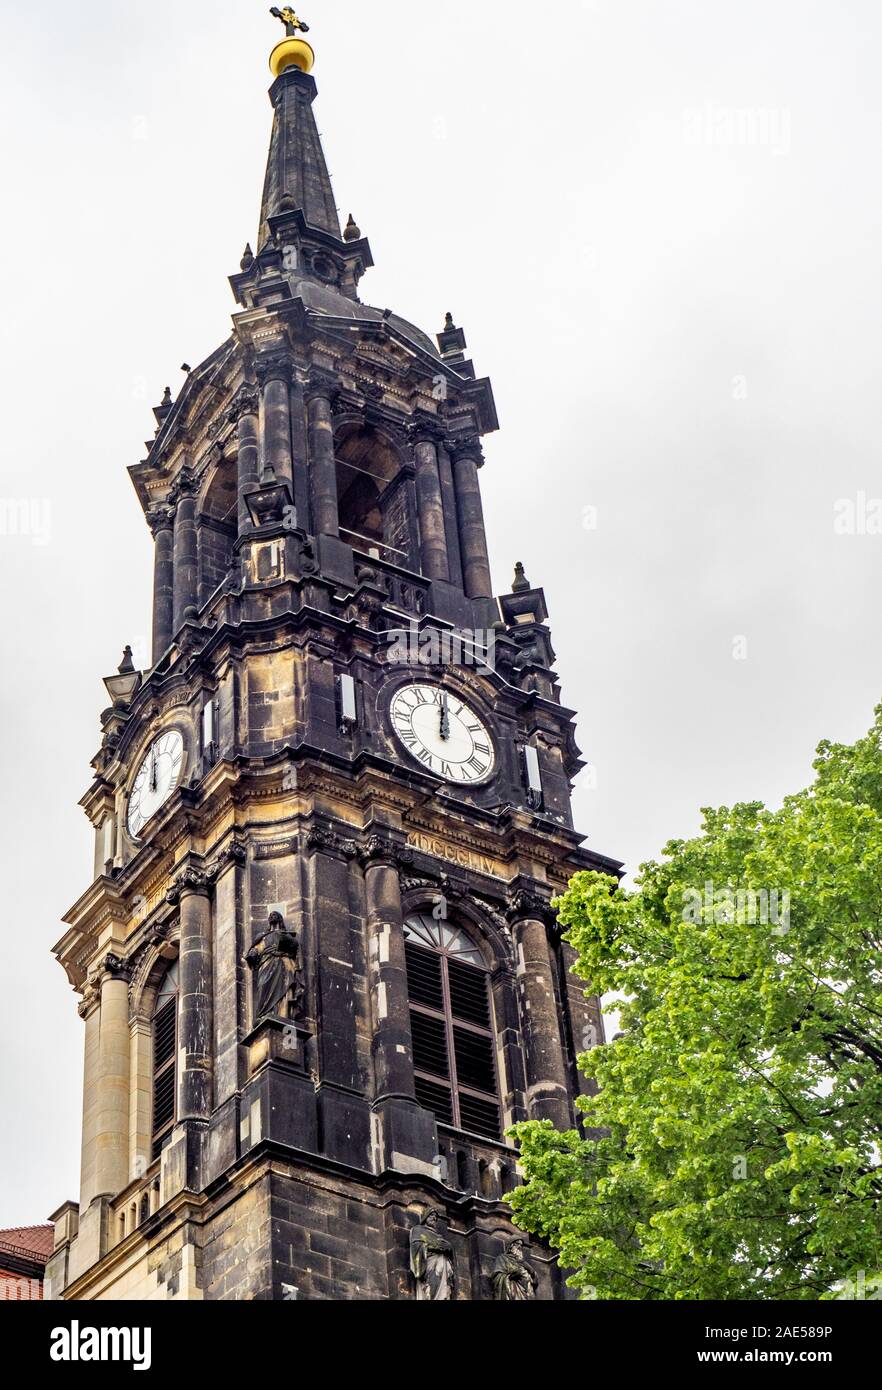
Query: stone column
point(105, 1170)
point(162, 524)
point(195, 986)
point(186, 552)
point(140, 1095)
point(245, 413)
point(430, 503)
point(90, 1012)
point(228, 874)
point(547, 1090)
point(467, 459)
point(322, 462)
point(451, 525)
point(392, 1050)
point(274, 375)
point(300, 452)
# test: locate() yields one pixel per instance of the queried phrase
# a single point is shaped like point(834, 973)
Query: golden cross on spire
point(290, 21)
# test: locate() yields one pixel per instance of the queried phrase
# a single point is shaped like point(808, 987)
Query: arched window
point(165, 1051)
point(372, 493)
point(454, 1051)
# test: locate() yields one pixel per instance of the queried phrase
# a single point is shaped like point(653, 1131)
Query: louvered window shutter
point(454, 1052)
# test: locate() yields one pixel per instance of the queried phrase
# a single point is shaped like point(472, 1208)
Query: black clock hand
point(153, 782)
point(445, 717)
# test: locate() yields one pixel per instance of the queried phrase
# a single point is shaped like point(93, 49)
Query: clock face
point(442, 733)
point(157, 778)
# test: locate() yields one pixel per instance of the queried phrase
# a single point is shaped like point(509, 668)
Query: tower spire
point(297, 177)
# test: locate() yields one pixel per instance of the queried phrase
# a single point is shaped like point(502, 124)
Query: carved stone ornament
point(418, 885)
point(186, 485)
point(323, 839)
point(379, 850)
point(432, 1261)
point(234, 853)
point(160, 518)
point(246, 402)
point(372, 390)
point(190, 881)
point(426, 429)
point(531, 907)
point(274, 367)
point(116, 968)
point(468, 447)
point(321, 384)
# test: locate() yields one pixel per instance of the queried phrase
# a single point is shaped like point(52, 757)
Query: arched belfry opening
point(374, 495)
point(218, 527)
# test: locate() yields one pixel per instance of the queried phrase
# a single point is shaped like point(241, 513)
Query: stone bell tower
point(319, 971)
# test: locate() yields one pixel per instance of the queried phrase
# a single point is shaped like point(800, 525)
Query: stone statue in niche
point(278, 976)
point(432, 1261)
point(513, 1279)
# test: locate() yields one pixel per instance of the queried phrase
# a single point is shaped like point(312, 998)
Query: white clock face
point(157, 778)
point(442, 733)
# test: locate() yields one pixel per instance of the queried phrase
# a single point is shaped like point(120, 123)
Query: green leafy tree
point(739, 1111)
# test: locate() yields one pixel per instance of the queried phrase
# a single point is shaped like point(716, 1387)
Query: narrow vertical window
point(165, 1049)
point(209, 732)
point(454, 1050)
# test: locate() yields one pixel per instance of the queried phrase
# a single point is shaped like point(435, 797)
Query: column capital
point(379, 852)
point(245, 402)
point(321, 385)
point(186, 485)
point(161, 518)
point(114, 967)
point(276, 366)
point(110, 967)
point(426, 429)
point(192, 882)
point(527, 905)
point(465, 447)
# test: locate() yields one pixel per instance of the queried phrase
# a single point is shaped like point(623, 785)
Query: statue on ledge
point(432, 1261)
point(278, 977)
point(513, 1279)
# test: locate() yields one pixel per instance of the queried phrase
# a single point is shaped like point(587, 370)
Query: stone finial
point(128, 664)
point(353, 231)
point(521, 583)
point(449, 325)
point(167, 401)
point(247, 260)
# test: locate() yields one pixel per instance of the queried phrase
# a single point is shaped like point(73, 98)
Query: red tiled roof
point(30, 1240)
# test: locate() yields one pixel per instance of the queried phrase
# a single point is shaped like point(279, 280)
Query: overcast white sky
point(658, 222)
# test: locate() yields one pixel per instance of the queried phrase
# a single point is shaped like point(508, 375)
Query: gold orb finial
point(292, 52)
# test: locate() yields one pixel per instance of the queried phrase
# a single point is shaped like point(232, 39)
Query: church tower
point(318, 968)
